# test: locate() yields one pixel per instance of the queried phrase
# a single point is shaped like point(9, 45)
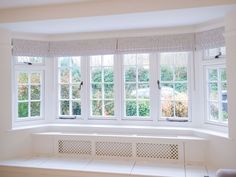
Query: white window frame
point(206, 56)
point(57, 85)
point(122, 74)
point(217, 66)
point(189, 86)
point(34, 64)
point(28, 69)
point(119, 112)
point(88, 79)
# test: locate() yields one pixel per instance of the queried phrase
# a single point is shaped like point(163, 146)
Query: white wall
point(12, 143)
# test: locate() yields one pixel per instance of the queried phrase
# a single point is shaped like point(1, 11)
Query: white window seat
point(83, 167)
point(159, 130)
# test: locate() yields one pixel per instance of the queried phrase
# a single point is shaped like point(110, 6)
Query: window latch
point(158, 84)
point(81, 84)
point(28, 63)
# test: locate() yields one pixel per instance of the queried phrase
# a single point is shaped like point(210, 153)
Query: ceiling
point(160, 19)
point(4, 4)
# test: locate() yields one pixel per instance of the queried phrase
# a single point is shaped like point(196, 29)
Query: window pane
point(130, 59)
point(96, 75)
point(75, 62)
point(214, 111)
point(23, 110)
point(109, 108)
point(224, 112)
point(131, 108)
point(75, 92)
point(65, 107)
point(181, 108)
point(223, 74)
point(96, 60)
point(35, 109)
point(108, 74)
point(108, 91)
point(181, 73)
point(35, 78)
point(23, 78)
point(144, 108)
point(130, 74)
point(181, 92)
point(166, 73)
point(34, 60)
point(76, 108)
point(97, 107)
point(143, 91)
point(64, 62)
point(65, 75)
point(213, 91)
point(65, 92)
point(22, 92)
point(108, 60)
point(213, 75)
point(167, 91)
point(97, 91)
point(167, 108)
point(143, 74)
point(76, 76)
point(130, 91)
point(143, 59)
point(35, 92)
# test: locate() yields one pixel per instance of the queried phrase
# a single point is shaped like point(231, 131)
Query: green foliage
point(130, 74)
point(96, 75)
point(109, 108)
point(143, 75)
point(131, 108)
point(108, 75)
point(65, 107)
point(76, 108)
point(144, 108)
point(35, 109)
point(166, 73)
point(23, 109)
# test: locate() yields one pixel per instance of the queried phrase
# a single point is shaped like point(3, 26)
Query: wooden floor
point(125, 167)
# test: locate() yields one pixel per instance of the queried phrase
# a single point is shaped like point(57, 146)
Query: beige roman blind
point(159, 43)
point(83, 47)
point(30, 48)
point(165, 43)
point(210, 39)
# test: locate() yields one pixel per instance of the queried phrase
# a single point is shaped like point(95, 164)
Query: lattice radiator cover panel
point(115, 149)
point(157, 151)
point(143, 149)
point(78, 147)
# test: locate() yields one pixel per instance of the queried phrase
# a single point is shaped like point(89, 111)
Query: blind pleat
point(30, 48)
point(210, 39)
point(83, 47)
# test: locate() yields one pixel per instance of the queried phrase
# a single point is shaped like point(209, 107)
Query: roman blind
point(83, 47)
point(210, 39)
point(165, 43)
point(30, 48)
